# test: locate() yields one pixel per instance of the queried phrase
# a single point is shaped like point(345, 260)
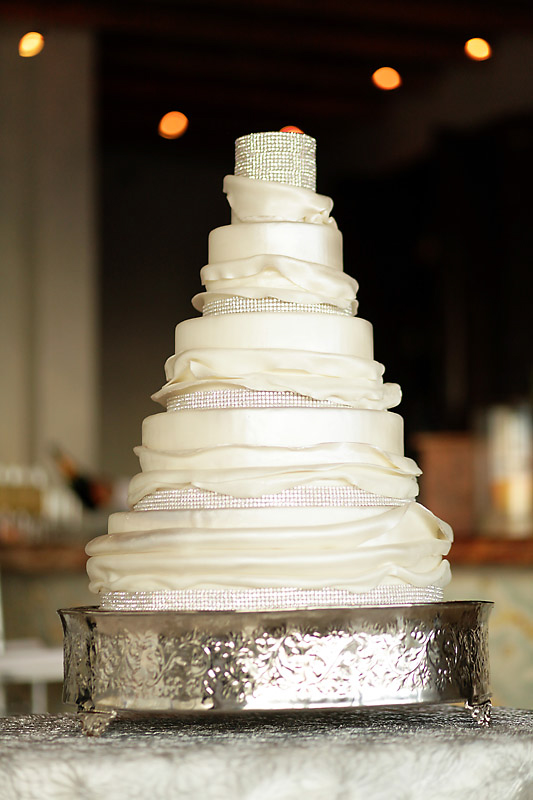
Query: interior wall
point(470, 95)
point(158, 205)
point(48, 300)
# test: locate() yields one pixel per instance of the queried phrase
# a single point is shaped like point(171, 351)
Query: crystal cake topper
point(283, 157)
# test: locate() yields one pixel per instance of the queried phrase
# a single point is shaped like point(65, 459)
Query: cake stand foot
point(95, 723)
point(481, 712)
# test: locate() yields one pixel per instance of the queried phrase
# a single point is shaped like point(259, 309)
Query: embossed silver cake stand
point(168, 661)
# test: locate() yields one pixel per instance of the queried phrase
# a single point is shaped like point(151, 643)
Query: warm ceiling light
point(387, 78)
point(173, 125)
point(31, 44)
point(478, 49)
point(291, 129)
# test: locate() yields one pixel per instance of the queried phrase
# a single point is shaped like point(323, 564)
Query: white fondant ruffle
point(258, 200)
point(278, 276)
point(235, 455)
point(405, 543)
point(353, 381)
point(253, 482)
point(254, 471)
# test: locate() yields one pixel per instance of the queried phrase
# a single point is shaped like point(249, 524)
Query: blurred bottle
point(506, 470)
point(21, 503)
point(92, 491)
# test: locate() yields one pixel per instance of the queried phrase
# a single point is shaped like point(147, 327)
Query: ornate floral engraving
point(77, 685)
point(136, 664)
point(170, 660)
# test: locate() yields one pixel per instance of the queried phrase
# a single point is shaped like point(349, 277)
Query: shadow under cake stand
point(200, 661)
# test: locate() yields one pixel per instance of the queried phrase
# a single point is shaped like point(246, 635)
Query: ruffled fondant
point(255, 471)
point(390, 545)
point(352, 381)
point(234, 455)
point(261, 201)
point(277, 276)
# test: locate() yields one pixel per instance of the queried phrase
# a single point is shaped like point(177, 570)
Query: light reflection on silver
point(336, 658)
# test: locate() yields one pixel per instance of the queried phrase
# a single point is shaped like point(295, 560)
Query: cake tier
point(277, 156)
point(267, 201)
point(231, 471)
point(270, 251)
point(317, 333)
point(283, 427)
point(355, 549)
point(285, 278)
point(322, 357)
point(320, 244)
point(339, 380)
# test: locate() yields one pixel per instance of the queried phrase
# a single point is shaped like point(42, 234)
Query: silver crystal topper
point(280, 156)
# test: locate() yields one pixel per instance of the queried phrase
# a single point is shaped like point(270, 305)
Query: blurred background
point(104, 216)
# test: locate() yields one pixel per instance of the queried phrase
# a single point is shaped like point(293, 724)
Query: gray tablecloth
point(393, 753)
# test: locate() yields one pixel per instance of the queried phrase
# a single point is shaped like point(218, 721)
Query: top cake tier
point(287, 254)
point(282, 157)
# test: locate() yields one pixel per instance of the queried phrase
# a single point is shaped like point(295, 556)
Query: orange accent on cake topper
point(291, 129)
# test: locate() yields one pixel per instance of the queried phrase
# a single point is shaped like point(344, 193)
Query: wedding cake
point(276, 476)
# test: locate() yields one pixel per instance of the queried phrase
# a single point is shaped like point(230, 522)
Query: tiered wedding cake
point(275, 479)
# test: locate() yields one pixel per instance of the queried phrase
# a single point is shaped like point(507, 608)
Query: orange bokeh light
point(31, 44)
point(387, 78)
point(173, 125)
point(291, 129)
point(478, 49)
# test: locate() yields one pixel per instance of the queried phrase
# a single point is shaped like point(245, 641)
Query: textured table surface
point(394, 753)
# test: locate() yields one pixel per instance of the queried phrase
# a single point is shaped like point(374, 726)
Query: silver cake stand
point(168, 661)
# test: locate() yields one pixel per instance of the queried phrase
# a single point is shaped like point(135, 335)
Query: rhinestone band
point(245, 398)
point(276, 156)
point(267, 599)
point(297, 497)
point(242, 305)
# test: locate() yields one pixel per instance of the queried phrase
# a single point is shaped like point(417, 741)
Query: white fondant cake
point(276, 476)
